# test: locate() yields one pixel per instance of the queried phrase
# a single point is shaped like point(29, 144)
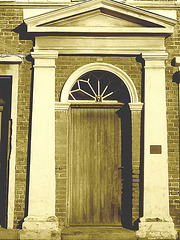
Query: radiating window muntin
point(99, 87)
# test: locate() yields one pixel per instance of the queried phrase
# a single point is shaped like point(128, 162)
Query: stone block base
point(156, 229)
point(40, 229)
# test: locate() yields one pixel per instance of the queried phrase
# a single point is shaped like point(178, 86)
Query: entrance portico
point(101, 27)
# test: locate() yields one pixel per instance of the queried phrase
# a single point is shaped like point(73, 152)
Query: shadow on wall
point(23, 34)
point(126, 170)
point(30, 59)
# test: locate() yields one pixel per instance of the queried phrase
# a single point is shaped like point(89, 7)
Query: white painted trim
point(99, 66)
point(52, 4)
point(118, 30)
point(11, 58)
point(9, 66)
point(45, 66)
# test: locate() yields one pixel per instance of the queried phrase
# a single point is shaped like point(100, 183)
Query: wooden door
point(95, 167)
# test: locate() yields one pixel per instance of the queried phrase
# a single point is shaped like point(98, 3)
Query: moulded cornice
point(51, 4)
point(106, 30)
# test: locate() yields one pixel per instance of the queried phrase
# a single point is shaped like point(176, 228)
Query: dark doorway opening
point(5, 145)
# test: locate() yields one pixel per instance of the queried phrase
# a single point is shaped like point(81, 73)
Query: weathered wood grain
point(95, 162)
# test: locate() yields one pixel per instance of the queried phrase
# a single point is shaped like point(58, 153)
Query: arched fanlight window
point(99, 86)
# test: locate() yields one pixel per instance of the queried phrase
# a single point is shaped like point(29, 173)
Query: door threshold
point(97, 233)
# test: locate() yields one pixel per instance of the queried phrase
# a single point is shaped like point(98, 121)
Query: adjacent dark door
point(5, 146)
point(95, 166)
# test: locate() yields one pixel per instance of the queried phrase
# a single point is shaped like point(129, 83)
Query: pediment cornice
point(100, 16)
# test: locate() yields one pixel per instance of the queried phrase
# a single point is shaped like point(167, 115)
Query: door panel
point(95, 167)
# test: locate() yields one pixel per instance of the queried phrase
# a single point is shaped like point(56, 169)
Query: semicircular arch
point(99, 66)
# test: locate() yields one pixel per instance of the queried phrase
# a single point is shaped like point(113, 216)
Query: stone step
point(6, 234)
point(97, 233)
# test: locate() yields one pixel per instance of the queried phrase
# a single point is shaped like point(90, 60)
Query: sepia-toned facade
point(89, 113)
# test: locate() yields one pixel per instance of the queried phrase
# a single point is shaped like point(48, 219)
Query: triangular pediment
point(100, 16)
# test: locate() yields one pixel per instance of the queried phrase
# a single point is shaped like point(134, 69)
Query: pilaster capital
point(155, 61)
point(136, 106)
point(154, 57)
point(44, 59)
point(41, 54)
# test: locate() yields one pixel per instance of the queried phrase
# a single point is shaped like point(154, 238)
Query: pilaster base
point(40, 228)
point(155, 228)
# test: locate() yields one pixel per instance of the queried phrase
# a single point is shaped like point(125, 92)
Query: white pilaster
point(41, 220)
point(156, 222)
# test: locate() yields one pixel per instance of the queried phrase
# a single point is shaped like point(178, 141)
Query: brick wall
point(24, 92)
point(137, 167)
point(61, 166)
point(10, 43)
point(173, 49)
